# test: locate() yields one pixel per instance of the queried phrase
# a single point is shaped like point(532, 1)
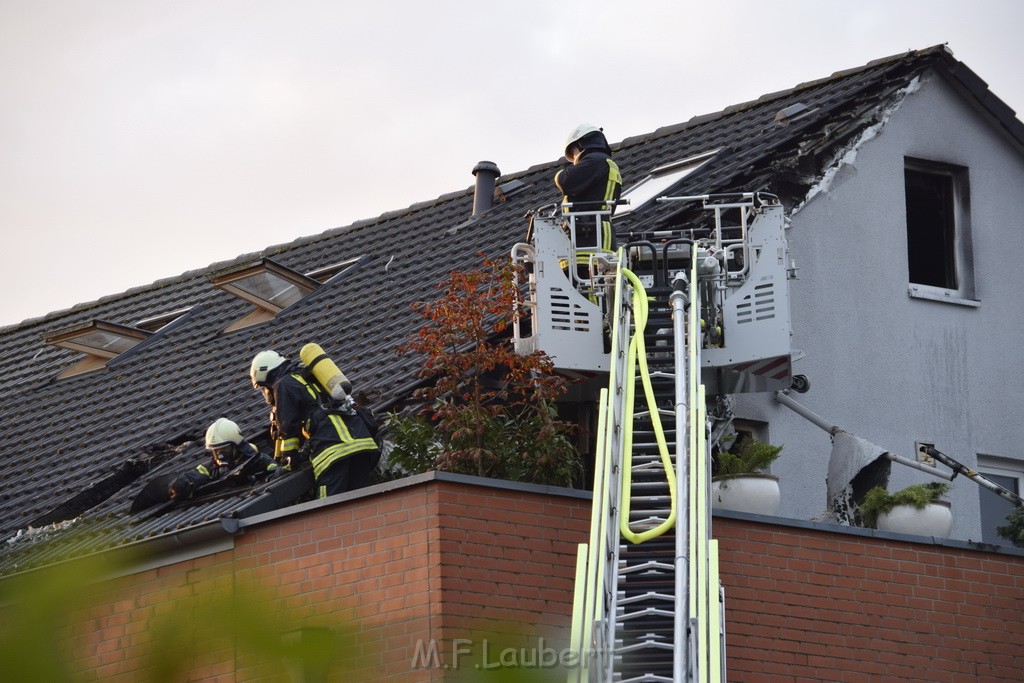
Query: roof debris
point(41, 533)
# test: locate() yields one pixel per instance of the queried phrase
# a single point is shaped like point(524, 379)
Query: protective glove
point(181, 488)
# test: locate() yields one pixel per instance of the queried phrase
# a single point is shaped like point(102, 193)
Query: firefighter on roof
point(337, 442)
point(592, 183)
point(228, 450)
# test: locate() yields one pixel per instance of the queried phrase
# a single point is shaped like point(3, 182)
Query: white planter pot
point(935, 519)
point(755, 493)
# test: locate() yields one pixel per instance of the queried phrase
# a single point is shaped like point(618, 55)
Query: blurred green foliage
point(209, 622)
point(45, 616)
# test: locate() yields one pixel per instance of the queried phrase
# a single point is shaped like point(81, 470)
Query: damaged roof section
point(82, 448)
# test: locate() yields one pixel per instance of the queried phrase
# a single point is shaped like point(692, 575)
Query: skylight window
point(100, 340)
point(659, 180)
point(268, 285)
point(327, 272)
point(156, 322)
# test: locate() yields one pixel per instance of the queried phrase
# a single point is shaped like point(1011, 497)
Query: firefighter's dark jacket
point(303, 415)
point(185, 484)
point(593, 183)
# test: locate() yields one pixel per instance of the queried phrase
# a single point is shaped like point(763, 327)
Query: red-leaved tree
point(488, 411)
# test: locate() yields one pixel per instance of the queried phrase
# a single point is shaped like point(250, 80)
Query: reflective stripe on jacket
point(303, 415)
point(594, 183)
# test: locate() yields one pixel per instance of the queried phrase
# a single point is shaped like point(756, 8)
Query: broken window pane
point(931, 228)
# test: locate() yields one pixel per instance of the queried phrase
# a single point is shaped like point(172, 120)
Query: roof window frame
point(96, 356)
point(155, 323)
point(264, 309)
point(660, 179)
point(325, 273)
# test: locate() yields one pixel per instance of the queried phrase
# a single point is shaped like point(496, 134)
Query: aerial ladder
point(679, 320)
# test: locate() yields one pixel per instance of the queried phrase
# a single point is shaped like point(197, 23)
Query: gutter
point(151, 553)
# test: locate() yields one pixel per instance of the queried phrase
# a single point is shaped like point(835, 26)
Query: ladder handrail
point(592, 628)
point(684, 656)
point(705, 663)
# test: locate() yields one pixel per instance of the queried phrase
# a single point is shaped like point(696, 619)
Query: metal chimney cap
point(487, 167)
point(486, 173)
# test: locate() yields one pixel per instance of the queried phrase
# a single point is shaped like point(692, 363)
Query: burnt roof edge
point(200, 540)
point(970, 81)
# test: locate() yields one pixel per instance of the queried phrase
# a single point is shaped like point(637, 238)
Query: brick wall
point(507, 563)
point(368, 564)
point(442, 561)
point(805, 604)
point(456, 561)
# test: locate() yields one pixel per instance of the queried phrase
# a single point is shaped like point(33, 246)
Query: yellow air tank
point(326, 372)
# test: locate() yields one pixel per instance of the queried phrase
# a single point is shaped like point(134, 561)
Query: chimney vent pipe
point(486, 173)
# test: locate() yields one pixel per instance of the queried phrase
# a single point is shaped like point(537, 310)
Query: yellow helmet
point(578, 133)
point(222, 433)
point(262, 364)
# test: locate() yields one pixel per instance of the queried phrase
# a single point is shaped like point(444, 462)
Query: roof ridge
point(779, 94)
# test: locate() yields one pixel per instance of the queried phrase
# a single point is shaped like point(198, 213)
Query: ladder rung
point(647, 678)
point(645, 644)
point(649, 612)
point(646, 566)
point(649, 595)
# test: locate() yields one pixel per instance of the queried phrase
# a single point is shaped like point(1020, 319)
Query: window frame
point(155, 323)
point(67, 339)
point(325, 273)
point(674, 172)
point(96, 357)
point(264, 309)
point(958, 250)
point(989, 466)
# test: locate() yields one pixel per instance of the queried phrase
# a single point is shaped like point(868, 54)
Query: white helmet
point(221, 433)
point(581, 131)
point(262, 364)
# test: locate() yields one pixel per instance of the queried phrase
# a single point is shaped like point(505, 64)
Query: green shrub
point(414, 443)
point(1013, 531)
point(879, 501)
point(748, 456)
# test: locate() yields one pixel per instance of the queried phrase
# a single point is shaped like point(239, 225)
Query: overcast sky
point(140, 139)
